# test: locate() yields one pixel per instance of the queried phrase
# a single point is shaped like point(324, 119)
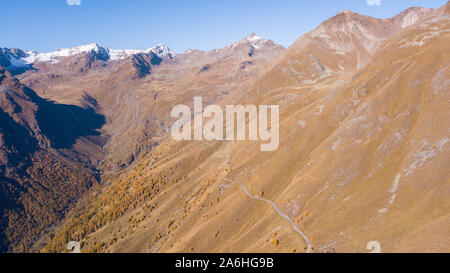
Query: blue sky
point(47, 25)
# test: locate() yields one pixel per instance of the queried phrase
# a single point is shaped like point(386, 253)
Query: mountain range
point(86, 153)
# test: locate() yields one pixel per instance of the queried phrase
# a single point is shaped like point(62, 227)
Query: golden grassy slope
point(363, 156)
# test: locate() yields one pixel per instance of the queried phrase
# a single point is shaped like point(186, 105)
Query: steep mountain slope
point(340, 45)
point(46, 152)
point(363, 155)
point(370, 150)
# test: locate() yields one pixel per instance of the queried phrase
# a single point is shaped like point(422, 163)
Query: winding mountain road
point(277, 210)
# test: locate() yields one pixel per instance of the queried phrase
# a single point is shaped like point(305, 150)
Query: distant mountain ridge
point(17, 60)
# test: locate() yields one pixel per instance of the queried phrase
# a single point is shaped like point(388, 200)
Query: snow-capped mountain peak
point(252, 40)
point(252, 37)
point(161, 50)
point(17, 58)
point(255, 41)
point(66, 52)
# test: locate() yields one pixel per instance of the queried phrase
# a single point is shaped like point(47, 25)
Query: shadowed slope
point(42, 171)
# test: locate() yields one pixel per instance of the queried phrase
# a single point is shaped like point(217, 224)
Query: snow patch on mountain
point(252, 40)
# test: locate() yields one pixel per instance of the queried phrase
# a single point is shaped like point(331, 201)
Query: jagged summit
point(254, 41)
point(253, 37)
point(162, 51)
